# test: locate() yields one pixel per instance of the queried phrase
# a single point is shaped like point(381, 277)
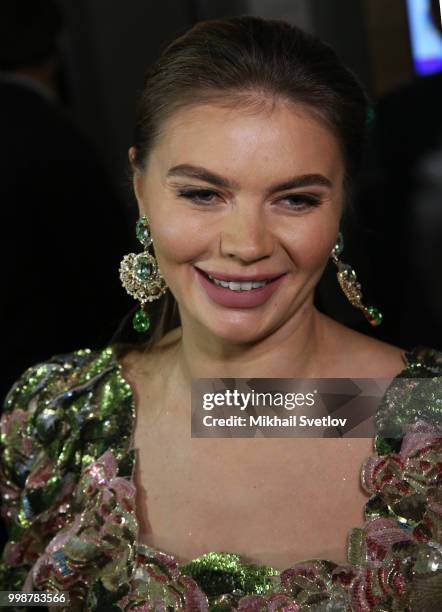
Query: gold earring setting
point(140, 275)
point(350, 286)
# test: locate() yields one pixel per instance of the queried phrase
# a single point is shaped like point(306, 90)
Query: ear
point(137, 181)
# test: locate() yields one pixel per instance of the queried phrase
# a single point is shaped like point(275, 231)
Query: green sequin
point(221, 572)
point(385, 446)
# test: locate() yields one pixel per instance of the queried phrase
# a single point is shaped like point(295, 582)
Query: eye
point(205, 197)
point(300, 201)
point(199, 196)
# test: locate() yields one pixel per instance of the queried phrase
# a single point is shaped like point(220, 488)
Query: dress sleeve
point(58, 418)
point(31, 489)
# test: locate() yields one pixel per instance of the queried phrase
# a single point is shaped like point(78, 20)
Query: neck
point(293, 351)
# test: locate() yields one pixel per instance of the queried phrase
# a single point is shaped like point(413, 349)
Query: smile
point(239, 286)
point(238, 294)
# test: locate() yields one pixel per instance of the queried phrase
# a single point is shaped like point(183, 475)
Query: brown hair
point(249, 59)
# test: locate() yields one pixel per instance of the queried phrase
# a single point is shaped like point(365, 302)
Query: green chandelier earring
point(350, 286)
point(140, 275)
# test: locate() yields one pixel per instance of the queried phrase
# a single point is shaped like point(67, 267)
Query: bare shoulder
point(361, 355)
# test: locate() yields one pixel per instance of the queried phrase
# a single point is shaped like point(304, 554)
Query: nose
point(245, 235)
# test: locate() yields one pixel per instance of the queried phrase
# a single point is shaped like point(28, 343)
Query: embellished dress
point(68, 499)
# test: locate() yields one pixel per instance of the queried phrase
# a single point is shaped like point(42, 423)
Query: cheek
point(311, 241)
point(178, 235)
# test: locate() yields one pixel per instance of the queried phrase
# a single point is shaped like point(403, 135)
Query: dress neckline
point(411, 359)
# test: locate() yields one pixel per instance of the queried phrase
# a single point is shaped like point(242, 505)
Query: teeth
point(236, 286)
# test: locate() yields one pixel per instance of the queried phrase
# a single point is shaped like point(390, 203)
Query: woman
point(248, 141)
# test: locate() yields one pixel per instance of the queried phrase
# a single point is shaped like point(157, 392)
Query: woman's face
point(236, 194)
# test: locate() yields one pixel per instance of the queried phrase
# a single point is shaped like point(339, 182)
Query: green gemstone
point(142, 268)
point(141, 321)
point(374, 316)
point(142, 231)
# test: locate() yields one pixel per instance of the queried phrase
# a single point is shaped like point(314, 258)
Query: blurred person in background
point(399, 202)
point(60, 216)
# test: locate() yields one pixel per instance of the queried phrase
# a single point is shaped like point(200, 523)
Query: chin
point(240, 330)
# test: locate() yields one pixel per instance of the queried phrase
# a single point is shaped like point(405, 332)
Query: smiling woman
point(248, 141)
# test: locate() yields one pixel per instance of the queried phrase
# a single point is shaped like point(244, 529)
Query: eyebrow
point(303, 180)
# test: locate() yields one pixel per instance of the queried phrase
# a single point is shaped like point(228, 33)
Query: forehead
point(281, 140)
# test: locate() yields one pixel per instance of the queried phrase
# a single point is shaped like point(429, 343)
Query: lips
point(237, 299)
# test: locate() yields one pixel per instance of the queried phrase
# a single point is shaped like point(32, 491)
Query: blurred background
point(70, 73)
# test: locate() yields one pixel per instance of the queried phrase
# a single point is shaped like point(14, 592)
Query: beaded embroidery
point(69, 501)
